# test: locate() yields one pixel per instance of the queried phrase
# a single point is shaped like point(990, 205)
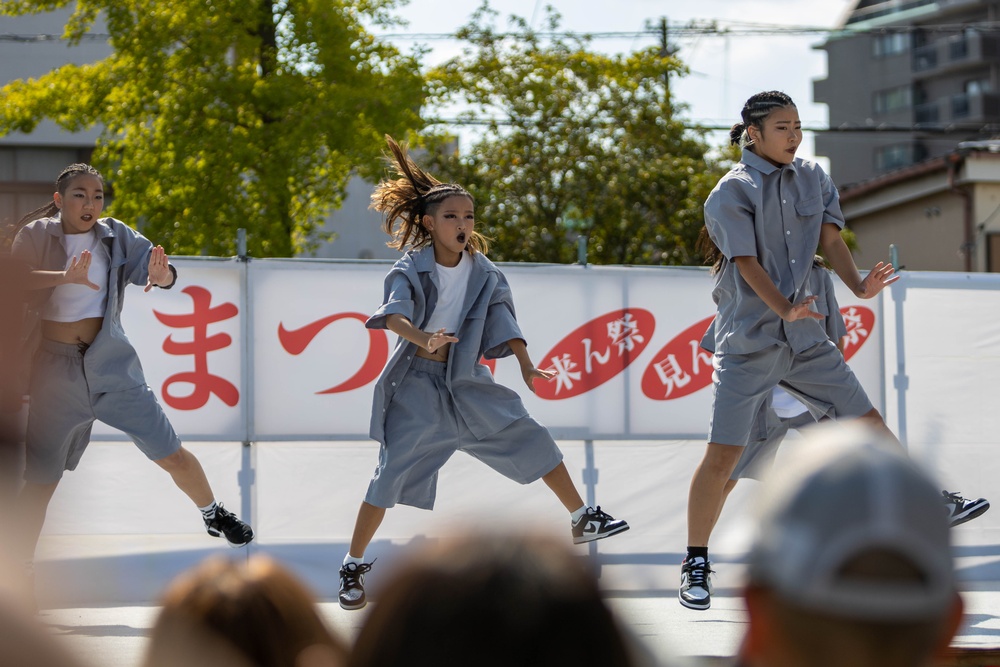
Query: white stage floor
point(118, 533)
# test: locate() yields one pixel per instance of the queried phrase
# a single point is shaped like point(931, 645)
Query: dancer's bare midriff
point(72, 333)
point(440, 354)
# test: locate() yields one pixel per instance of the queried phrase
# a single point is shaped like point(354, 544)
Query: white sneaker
point(596, 524)
point(962, 509)
point(696, 583)
point(352, 585)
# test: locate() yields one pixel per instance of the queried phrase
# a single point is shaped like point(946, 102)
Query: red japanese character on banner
point(596, 352)
point(860, 322)
point(681, 367)
point(203, 382)
point(295, 341)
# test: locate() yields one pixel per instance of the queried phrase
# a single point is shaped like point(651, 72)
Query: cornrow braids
point(405, 200)
point(48, 210)
point(756, 109)
point(72, 171)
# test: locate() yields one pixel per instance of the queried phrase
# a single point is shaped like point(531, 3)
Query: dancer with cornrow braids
point(764, 222)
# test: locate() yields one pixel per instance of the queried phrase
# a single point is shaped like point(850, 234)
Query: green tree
point(577, 142)
point(221, 114)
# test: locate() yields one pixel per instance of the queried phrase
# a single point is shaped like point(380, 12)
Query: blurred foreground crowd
point(851, 565)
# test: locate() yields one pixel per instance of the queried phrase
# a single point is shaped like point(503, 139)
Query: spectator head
point(24, 642)
point(852, 561)
point(492, 601)
point(254, 614)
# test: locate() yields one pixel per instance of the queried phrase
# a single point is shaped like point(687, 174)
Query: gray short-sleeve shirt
point(774, 214)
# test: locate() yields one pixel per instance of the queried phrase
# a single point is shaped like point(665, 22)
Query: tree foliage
point(221, 114)
point(578, 142)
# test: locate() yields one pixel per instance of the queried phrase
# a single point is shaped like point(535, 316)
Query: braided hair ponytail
point(756, 109)
point(50, 209)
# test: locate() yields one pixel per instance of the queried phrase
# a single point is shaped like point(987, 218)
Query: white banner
point(277, 349)
point(191, 344)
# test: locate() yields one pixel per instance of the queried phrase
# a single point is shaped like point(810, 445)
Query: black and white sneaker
point(962, 509)
point(226, 524)
point(352, 585)
point(696, 583)
point(596, 524)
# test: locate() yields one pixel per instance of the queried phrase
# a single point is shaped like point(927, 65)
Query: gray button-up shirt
point(774, 214)
point(820, 285)
point(488, 322)
point(111, 362)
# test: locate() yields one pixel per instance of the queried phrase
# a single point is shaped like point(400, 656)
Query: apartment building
point(908, 80)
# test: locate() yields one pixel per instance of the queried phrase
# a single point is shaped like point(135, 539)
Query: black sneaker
point(962, 509)
point(352, 585)
point(696, 583)
point(596, 525)
point(226, 524)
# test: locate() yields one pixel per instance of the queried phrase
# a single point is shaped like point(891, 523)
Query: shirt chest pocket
point(809, 208)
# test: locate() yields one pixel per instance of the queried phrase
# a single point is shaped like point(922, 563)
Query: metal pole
point(590, 481)
point(247, 476)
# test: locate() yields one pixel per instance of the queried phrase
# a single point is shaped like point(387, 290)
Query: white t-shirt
point(70, 303)
point(453, 283)
point(786, 405)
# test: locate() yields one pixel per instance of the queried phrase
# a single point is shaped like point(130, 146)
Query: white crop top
point(70, 303)
point(453, 283)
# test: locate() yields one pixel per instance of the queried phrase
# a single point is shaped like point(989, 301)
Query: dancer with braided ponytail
point(764, 222)
point(450, 307)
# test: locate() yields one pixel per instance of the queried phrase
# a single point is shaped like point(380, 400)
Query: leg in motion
point(354, 569)
point(587, 523)
point(705, 499)
point(187, 473)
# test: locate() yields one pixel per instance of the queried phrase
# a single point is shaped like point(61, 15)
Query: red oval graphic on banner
point(595, 352)
point(681, 367)
point(860, 323)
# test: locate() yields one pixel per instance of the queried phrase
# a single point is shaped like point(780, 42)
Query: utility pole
point(666, 51)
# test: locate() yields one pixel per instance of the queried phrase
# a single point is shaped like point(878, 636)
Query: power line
point(709, 28)
point(984, 129)
point(46, 37)
point(712, 28)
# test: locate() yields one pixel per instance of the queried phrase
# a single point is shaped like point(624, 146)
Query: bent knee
point(721, 459)
point(175, 461)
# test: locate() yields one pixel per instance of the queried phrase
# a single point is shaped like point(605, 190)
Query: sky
point(725, 71)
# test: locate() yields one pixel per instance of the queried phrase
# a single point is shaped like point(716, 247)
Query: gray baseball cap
point(842, 494)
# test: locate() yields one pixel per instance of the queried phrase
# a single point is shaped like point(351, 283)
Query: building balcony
point(886, 12)
point(954, 53)
point(975, 107)
point(964, 108)
point(924, 114)
point(886, 9)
